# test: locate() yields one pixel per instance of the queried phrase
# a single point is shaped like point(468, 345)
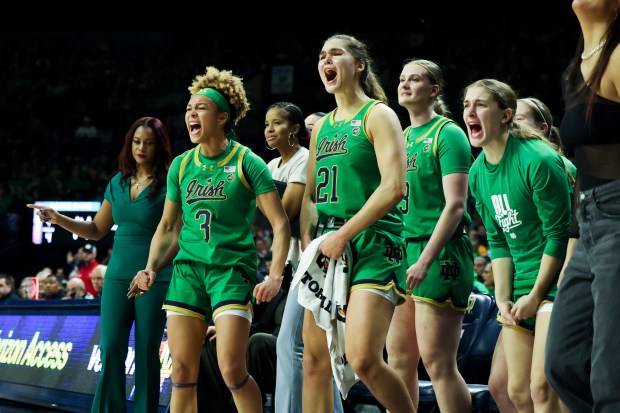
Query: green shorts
point(450, 278)
point(379, 262)
point(203, 290)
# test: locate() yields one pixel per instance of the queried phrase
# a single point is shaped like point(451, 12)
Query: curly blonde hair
point(229, 85)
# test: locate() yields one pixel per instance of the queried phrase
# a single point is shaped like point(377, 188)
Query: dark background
point(51, 78)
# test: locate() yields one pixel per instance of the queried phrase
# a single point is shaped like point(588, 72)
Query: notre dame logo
point(393, 253)
point(450, 270)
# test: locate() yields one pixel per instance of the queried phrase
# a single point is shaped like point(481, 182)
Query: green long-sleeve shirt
point(524, 203)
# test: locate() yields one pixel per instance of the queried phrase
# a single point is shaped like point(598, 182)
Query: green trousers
point(117, 317)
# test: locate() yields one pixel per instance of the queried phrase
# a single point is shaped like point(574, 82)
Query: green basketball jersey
point(347, 172)
point(218, 198)
point(438, 148)
point(525, 206)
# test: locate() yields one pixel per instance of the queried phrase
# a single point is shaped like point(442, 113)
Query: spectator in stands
point(479, 265)
point(60, 273)
point(263, 255)
point(86, 130)
point(52, 288)
point(476, 242)
point(360, 141)
point(73, 263)
point(310, 121)
point(479, 287)
point(582, 351)
point(76, 290)
point(11, 282)
point(439, 251)
point(96, 276)
point(88, 255)
point(134, 200)
point(38, 282)
point(487, 276)
point(43, 273)
point(213, 395)
point(24, 288)
point(522, 194)
point(215, 270)
point(7, 292)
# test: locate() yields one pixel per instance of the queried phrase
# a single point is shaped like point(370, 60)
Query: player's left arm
point(268, 200)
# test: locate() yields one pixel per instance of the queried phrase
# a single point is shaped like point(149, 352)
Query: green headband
point(219, 100)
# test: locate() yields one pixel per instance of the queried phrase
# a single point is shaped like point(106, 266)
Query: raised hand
point(46, 214)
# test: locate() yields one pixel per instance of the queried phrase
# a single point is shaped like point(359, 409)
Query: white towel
point(323, 288)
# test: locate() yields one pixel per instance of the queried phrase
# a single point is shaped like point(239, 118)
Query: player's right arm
point(95, 229)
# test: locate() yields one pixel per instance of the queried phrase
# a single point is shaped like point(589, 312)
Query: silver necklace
point(586, 56)
point(138, 184)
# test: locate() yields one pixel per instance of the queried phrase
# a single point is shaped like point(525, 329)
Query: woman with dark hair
point(311, 120)
point(133, 200)
point(285, 128)
point(582, 360)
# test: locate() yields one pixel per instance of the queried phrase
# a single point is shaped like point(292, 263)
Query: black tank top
point(593, 143)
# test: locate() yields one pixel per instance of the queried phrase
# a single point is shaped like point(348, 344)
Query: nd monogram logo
point(450, 270)
point(393, 253)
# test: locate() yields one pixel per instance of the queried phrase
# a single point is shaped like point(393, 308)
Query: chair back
point(481, 307)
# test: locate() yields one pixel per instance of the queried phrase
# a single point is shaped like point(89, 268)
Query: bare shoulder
point(382, 123)
point(382, 117)
point(382, 112)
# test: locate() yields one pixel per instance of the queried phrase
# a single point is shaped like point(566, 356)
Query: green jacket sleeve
point(552, 199)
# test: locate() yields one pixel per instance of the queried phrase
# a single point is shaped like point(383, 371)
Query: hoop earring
point(289, 140)
point(269, 147)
